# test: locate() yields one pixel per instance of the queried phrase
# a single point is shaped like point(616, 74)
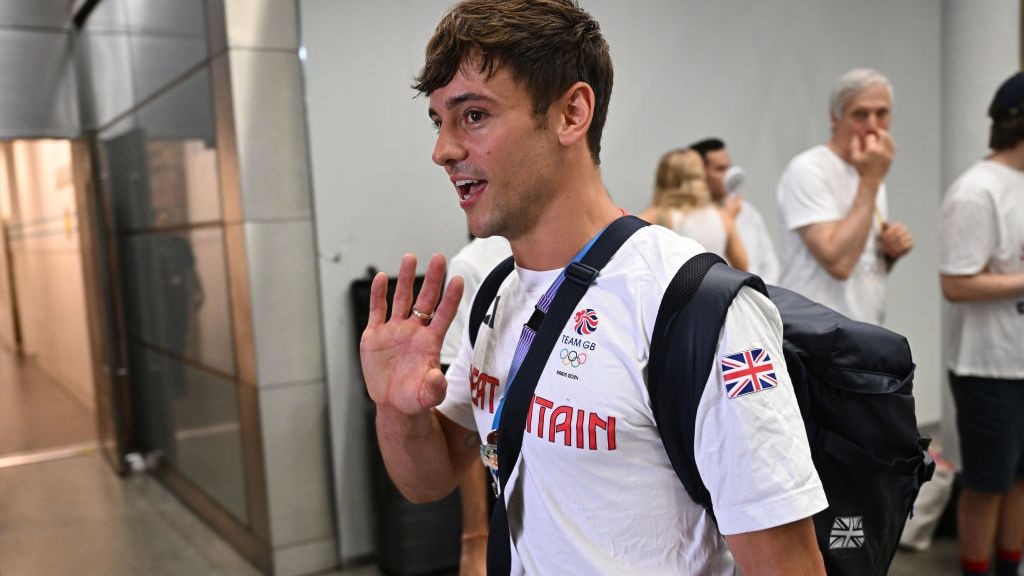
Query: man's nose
point(447, 148)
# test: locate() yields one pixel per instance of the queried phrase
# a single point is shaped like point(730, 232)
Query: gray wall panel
point(46, 13)
point(38, 99)
point(104, 73)
point(180, 17)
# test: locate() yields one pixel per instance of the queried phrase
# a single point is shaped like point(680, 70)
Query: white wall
point(377, 195)
point(980, 49)
point(47, 265)
point(764, 89)
point(756, 74)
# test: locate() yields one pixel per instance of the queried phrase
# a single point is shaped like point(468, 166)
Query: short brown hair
point(547, 44)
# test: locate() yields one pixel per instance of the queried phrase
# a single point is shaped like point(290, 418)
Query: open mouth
point(469, 188)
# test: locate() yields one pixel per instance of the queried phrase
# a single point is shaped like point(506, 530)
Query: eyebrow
point(870, 109)
point(453, 101)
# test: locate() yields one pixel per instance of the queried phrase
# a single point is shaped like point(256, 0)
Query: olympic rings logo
point(573, 358)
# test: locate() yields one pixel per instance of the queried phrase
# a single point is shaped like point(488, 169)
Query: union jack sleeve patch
point(747, 372)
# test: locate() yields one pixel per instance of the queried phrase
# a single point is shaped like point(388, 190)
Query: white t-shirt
point(818, 186)
point(593, 491)
point(703, 225)
point(983, 231)
point(473, 262)
point(758, 242)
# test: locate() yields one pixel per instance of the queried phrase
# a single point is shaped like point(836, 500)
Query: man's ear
point(576, 110)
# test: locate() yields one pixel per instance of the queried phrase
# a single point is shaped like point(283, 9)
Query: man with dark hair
point(761, 256)
point(982, 266)
point(518, 91)
point(838, 244)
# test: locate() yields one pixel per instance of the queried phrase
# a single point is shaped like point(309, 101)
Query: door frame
point(104, 310)
point(12, 286)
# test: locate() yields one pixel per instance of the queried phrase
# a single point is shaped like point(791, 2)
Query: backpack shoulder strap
point(682, 355)
point(578, 278)
point(485, 294)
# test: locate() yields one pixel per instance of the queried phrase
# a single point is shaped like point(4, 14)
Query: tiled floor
point(942, 559)
point(73, 515)
point(64, 511)
point(35, 412)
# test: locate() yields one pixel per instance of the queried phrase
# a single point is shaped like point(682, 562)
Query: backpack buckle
point(581, 274)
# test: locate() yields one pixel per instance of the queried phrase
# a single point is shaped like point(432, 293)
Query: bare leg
point(1011, 518)
point(475, 521)
point(977, 516)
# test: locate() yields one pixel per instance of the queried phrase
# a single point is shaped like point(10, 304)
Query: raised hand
point(872, 155)
point(732, 206)
point(401, 356)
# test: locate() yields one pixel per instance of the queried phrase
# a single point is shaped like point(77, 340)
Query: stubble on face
point(523, 173)
point(510, 148)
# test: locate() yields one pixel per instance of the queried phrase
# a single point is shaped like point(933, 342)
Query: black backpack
point(853, 383)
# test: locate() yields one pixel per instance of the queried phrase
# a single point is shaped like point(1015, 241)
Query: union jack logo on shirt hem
point(747, 372)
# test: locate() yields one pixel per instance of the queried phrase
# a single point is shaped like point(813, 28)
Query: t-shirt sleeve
point(751, 448)
point(968, 234)
point(457, 404)
point(804, 197)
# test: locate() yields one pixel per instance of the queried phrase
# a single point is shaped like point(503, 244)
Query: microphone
point(734, 178)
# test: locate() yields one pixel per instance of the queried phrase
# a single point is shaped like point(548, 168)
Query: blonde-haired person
point(682, 202)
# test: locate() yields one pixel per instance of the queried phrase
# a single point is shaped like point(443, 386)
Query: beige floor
point(73, 515)
point(35, 413)
point(63, 510)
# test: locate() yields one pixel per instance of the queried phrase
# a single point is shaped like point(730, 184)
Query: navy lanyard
point(489, 450)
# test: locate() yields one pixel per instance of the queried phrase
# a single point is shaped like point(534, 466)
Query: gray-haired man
point(838, 246)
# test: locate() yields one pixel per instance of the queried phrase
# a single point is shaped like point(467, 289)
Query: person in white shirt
point(683, 204)
point(982, 276)
point(838, 245)
point(518, 93)
point(761, 257)
point(472, 263)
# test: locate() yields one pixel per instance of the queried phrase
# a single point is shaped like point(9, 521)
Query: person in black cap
point(982, 275)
